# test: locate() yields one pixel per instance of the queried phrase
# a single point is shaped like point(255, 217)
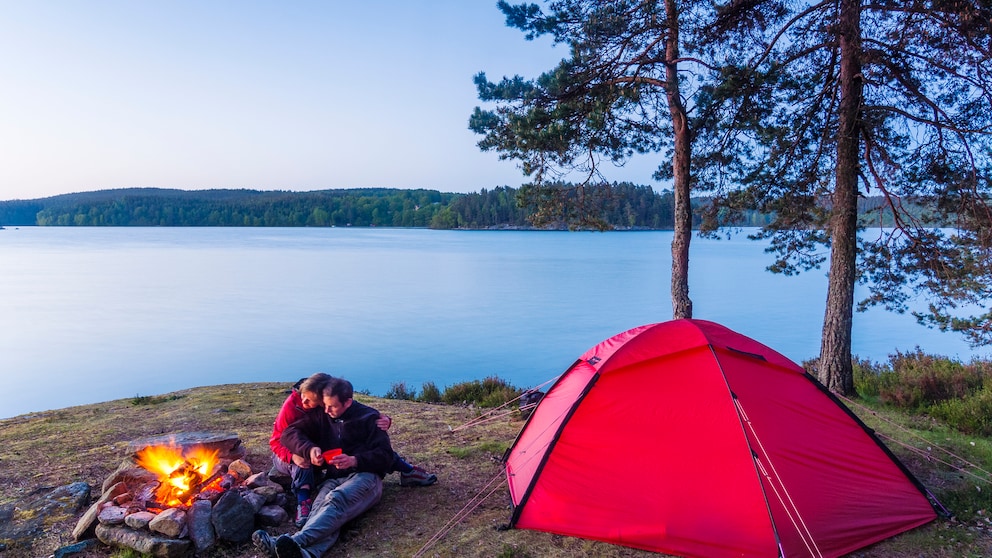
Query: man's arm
point(301, 437)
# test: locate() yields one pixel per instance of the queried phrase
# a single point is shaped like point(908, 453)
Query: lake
point(95, 314)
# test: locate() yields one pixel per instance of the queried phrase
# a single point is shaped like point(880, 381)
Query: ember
point(181, 476)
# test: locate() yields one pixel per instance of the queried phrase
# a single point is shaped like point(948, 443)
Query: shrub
point(399, 391)
point(153, 399)
point(867, 378)
point(918, 380)
point(970, 415)
point(429, 393)
point(490, 392)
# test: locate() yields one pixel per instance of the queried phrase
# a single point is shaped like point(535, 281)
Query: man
point(353, 477)
point(305, 397)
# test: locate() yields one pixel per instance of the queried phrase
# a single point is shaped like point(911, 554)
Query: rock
point(18, 532)
point(529, 400)
point(72, 498)
point(23, 520)
point(201, 530)
point(123, 499)
point(84, 527)
point(139, 520)
point(131, 476)
point(170, 522)
point(255, 499)
point(271, 516)
point(112, 515)
point(144, 542)
point(269, 492)
point(257, 480)
point(240, 469)
point(75, 548)
point(233, 517)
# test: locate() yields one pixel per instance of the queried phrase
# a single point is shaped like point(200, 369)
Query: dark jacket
point(355, 432)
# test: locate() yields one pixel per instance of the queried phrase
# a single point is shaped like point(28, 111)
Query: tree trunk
point(835, 369)
point(681, 303)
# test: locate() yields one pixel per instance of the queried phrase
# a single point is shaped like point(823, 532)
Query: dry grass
point(87, 443)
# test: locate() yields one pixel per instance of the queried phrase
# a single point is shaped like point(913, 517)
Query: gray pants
point(337, 502)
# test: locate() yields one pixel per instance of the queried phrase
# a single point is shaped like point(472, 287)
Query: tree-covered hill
point(630, 207)
point(200, 208)
point(620, 206)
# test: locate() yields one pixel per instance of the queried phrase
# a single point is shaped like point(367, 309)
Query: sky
point(101, 94)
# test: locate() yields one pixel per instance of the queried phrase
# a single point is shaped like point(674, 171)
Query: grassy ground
point(87, 443)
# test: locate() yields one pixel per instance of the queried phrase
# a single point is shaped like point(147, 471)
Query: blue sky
point(266, 95)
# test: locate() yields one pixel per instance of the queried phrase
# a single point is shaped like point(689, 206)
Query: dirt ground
point(461, 515)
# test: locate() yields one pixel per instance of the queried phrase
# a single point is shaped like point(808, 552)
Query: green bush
point(918, 380)
point(970, 415)
point(399, 391)
point(429, 393)
point(490, 392)
point(867, 378)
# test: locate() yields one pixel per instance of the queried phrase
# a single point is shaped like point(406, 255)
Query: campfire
point(183, 492)
point(181, 477)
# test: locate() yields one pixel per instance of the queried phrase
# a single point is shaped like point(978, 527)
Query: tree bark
point(835, 368)
point(681, 303)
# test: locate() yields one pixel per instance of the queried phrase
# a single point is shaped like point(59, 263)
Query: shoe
point(417, 477)
point(303, 512)
point(264, 541)
point(286, 547)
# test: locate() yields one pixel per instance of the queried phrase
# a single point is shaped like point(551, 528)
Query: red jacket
point(291, 411)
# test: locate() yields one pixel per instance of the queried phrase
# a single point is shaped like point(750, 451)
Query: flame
point(181, 474)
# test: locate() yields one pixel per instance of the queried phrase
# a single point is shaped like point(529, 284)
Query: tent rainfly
point(687, 438)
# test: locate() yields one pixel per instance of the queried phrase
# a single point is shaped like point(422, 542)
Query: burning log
point(198, 487)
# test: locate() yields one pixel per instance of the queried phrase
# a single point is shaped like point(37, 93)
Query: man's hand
point(343, 461)
point(316, 456)
point(384, 422)
point(301, 461)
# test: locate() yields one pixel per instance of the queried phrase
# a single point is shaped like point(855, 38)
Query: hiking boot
point(417, 477)
point(286, 547)
point(264, 541)
point(303, 512)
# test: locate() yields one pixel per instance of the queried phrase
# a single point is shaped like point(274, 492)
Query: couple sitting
point(321, 415)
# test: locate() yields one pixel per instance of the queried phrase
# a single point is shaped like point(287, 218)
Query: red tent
point(687, 438)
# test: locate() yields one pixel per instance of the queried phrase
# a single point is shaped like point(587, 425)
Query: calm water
point(94, 314)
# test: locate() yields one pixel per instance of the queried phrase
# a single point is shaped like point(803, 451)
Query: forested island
point(621, 206)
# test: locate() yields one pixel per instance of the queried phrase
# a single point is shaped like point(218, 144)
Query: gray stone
point(72, 498)
point(144, 542)
point(84, 527)
point(201, 530)
point(233, 517)
point(170, 522)
point(255, 499)
point(139, 520)
point(257, 480)
point(75, 548)
point(21, 531)
point(23, 520)
point(112, 515)
point(269, 492)
point(271, 516)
